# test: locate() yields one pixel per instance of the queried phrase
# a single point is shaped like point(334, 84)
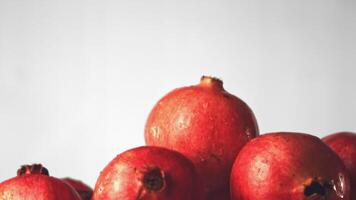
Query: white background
point(78, 78)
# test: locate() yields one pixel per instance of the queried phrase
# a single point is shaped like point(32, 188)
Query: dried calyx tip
point(32, 169)
point(211, 81)
point(154, 179)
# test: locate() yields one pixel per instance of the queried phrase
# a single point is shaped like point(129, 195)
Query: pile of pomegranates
point(203, 143)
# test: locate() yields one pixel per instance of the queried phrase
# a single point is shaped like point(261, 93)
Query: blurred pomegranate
point(83, 190)
point(344, 144)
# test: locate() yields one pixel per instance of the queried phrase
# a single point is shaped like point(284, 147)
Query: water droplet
point(339, 186)
point(202, 159)
point(155, 131)
point(248, 133)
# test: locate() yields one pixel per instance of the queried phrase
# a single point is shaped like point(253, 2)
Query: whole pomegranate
point(34, 183)
point(208, 125)
point(83, 190)
point(291, 166)
point(149, 173)
point(344, 144)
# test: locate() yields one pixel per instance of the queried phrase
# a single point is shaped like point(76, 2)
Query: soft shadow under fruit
point(83, 189)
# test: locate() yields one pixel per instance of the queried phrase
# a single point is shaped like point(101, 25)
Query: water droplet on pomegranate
point(339, 186)
point(249, 134)
point(202, 159)
point(155, 132)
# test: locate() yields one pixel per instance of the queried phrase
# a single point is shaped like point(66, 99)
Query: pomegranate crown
point(213, 82)
point(32, 169)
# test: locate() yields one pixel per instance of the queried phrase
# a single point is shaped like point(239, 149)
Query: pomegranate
point(291, 166)
point(83, 190)
point(208, 125)
point(34, 183)
point(344, 144)
point(149, 173)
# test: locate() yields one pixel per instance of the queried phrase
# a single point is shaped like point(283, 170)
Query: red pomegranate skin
point(344, 144)
point(83, 189)
point(149, 173)
point(288, 166)
point(36, 187)
point(208, 125)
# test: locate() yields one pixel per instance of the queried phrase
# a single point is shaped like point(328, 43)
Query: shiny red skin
point(122, 178)
point(83, 189)
point(344, 144)
point(208, 125)
point(36, 187)
point(281, 165)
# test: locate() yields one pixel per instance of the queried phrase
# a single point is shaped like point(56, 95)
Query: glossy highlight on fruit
point(83, 189)
point(344, 144)
point(293, 166)
point(34, 183)
point(149, 173)
point(208, 125)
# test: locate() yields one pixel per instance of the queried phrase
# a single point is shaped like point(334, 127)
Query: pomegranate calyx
point(154, 179)
point(32, 169)
point(317, 188)
point(213, 82)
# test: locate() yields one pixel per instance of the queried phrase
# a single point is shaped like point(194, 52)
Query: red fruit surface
point(83, 190)
point(288, 166)
point(208, 125)
point(344, 144)
point(34, 183)
point(149, 173)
